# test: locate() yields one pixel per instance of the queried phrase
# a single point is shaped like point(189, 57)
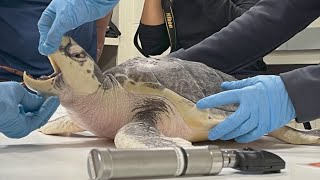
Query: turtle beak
point(73, 69)
point(44, 84)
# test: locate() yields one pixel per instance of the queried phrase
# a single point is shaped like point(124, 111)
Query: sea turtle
point(143, 102)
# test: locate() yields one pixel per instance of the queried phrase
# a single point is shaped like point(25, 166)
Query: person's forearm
point(152, 30)
point(101, 26)
point(152, 13)
point(303, 86)
point(253, 35)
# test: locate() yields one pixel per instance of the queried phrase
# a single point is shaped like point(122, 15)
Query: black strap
point(170, 24)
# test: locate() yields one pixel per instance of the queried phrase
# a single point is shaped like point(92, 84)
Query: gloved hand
point(264, 105)
point(62, 16)
point(22, 112)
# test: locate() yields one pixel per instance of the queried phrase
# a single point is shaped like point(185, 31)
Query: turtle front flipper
point(145, 135)
point(61, 125)
point(295, 136)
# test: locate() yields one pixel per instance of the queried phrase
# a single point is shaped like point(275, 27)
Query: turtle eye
point(76, 53)
point(78, 56)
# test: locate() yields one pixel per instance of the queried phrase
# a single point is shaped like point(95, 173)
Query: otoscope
point(178, 161)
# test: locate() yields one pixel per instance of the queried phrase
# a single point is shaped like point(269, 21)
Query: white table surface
point(39, 156)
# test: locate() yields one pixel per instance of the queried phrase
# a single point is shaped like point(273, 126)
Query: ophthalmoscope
point(178, 161)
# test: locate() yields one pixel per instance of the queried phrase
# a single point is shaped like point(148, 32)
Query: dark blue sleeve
point(86, 36)
point(20, 38)
point(253, 35)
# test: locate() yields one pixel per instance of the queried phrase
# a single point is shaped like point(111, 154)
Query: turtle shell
point(191, 80)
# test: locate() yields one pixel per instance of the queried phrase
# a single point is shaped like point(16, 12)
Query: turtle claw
point(295, 136)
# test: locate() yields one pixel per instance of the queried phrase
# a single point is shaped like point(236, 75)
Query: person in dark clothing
point(21, 111)
point(195, 20)
point(20, 38)
point(265, 102)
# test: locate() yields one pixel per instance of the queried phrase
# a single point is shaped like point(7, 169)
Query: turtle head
point(74, 71)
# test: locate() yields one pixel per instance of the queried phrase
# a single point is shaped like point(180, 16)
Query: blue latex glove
point(62, 16)
point(264, 105)
point(22, 112)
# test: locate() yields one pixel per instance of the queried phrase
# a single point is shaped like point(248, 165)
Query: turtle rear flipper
point(145, 135)
point(61, 125)
point(295, 136)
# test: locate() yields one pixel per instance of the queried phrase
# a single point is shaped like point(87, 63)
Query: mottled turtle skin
point(143, 102)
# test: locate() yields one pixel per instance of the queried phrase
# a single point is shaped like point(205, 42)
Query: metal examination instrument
point(178, 161)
